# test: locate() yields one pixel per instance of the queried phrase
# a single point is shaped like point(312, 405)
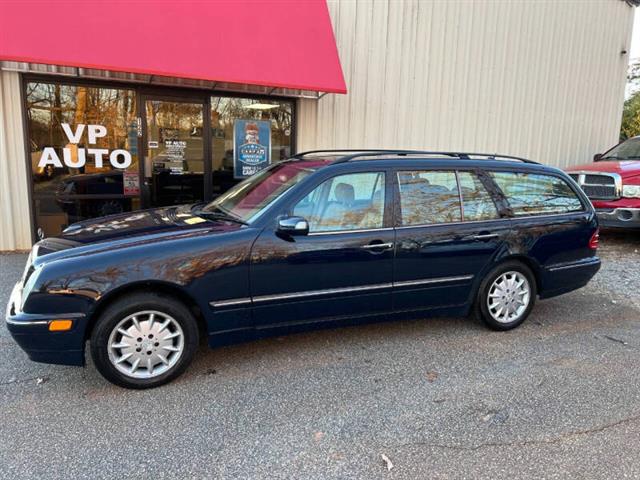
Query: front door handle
point(485, 236)
point(384, 246)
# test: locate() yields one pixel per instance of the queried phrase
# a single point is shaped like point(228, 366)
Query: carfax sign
point(251, 147)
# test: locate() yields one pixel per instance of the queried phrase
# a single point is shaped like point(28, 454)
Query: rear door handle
point(384, 246)
point(485, 236)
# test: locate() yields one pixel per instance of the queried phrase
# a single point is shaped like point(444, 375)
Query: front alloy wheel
point(144, 340)
point(146, 344)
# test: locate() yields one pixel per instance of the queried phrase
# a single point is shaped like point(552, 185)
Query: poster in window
point(251, 147)
point(131, 183)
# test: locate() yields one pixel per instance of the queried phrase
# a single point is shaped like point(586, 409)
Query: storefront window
point(83, 152)
point(174, 166)
point(246, 136)
point(84, 142)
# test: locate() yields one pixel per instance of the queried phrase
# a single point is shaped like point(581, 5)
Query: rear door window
point(429, 197)
point(477, 204)
point(537, 194)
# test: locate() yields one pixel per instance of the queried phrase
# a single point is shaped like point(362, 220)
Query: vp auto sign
point(118, 158)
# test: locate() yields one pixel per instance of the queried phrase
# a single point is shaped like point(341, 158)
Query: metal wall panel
point(15, 216)
point(536, 78)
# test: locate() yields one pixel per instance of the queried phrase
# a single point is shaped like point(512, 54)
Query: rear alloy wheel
point(144, 340)
point(506, 296)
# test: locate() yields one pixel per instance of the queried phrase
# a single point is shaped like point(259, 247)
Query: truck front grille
point(599, 186)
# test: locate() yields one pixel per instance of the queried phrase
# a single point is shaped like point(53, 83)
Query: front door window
point(347, 202)
point(174, 165)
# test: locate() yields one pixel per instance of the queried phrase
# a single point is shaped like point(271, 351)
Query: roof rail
point(351, 154)
point(350, 151)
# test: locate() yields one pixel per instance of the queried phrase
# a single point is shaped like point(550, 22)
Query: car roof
point(418, 158)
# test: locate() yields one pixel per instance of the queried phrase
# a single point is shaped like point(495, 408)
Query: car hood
point(132, 228)
point(629, 168)
point(131, 224)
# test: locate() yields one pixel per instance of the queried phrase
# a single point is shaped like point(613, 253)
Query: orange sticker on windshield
point(194, 220)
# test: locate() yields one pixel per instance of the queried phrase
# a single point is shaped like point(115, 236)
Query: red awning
point(273, 43)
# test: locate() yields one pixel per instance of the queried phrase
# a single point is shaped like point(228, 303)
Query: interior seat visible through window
point(347, 202)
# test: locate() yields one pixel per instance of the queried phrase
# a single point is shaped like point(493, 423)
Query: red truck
point(612, 183)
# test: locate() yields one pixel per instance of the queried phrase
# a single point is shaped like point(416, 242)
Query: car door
point(449, 226)
point(342, 268)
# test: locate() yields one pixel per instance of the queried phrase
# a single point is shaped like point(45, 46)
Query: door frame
point(182, 97)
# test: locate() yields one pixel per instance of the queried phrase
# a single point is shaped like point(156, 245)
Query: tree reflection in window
point(428, 197)
point(477, 204)
point(536, 194)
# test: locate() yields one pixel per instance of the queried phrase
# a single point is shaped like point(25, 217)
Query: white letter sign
point(49, 157)
point(126, 158)
point(96, 131)
point(74, 137)
point(75, 157)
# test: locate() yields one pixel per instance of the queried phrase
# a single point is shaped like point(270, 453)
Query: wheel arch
point(530, 263)
point(154, 286)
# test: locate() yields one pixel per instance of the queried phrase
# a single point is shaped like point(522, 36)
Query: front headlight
point(631, 191)
point(29, 284)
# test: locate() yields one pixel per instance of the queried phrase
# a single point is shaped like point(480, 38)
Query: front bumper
point(620, 217)
point(31, 332)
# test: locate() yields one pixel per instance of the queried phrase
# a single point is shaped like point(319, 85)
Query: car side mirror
point(293, 226)
point(597, 157)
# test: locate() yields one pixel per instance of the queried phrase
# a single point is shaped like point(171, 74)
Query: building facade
point(539, 79)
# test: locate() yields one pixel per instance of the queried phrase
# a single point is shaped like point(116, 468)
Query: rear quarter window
point(537, 194)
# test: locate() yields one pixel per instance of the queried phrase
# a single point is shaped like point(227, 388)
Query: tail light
point(594, 241)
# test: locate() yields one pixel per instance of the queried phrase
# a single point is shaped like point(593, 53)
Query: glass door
point(175, 170)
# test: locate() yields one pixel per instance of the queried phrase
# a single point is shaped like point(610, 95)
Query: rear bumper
point(31, 333)
point(566, 277)
point(620, 217)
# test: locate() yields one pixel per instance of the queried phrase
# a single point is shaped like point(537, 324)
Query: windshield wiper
point(219, 216)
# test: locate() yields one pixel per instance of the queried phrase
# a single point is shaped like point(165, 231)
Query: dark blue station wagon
point(327, 238)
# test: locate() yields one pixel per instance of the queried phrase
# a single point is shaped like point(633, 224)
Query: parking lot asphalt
point(439, 398)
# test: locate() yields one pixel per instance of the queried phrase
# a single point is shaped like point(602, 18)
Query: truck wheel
point(506, 296)
point(144, 340)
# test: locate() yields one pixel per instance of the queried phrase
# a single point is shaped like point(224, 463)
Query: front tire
point(144, 340)
point(506, 296)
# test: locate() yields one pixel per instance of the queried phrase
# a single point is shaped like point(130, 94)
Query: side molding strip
point(580, 263)
point(427, 281)
point(232, 302)
point(315, 293)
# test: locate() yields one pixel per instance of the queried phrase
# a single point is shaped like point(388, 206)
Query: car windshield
point(628, 150)
point(248, 199)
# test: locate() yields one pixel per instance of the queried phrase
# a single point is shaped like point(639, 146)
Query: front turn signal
point(60, 325)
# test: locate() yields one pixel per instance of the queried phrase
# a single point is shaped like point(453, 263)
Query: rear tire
point(144, 340)
point(506, 296)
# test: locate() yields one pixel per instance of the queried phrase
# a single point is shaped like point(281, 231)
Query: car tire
point(144, 340)
point(506, 296)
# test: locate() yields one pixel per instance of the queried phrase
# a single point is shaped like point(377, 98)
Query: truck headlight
point(631, 191)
